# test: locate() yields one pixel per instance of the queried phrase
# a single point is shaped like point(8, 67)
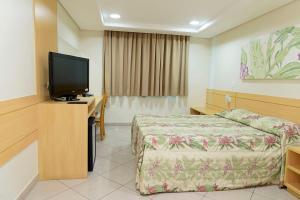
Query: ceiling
point(168, 16)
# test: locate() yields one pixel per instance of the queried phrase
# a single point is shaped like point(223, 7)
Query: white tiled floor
point(113, 179)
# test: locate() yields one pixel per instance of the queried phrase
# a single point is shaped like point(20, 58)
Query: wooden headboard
point(285, 108)
point(215, 99)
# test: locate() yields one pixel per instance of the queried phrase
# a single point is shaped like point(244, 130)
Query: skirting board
point(28, 188)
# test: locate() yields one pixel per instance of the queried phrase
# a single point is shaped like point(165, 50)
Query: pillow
point(240, 115)
point(279, 127)
point(273, 125)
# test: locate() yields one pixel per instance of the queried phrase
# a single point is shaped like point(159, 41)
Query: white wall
point(68, 33)
point(73, 41)
point(199, 66)
point(17, 49)
point(17, 77)
point(91, 47)
point(226, 51)
point(18, 173)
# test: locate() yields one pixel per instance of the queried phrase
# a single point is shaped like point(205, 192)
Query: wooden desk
point(94, 105)
point(63, 138)
point(203, 111)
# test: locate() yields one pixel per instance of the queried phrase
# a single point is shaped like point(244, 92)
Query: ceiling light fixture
point(205, 26)
point(115, 16)
point(194, 22)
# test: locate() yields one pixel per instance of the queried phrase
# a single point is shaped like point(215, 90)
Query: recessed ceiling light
point(115, 16)
point(194, 22)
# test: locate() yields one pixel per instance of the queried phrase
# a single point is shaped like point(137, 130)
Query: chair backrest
point(103, 104)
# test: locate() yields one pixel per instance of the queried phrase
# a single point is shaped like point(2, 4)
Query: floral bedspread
point(202, 153)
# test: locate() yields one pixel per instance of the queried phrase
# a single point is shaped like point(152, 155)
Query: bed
point(234, 149)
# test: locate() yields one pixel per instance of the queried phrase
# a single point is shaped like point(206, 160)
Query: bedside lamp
point(228, 101)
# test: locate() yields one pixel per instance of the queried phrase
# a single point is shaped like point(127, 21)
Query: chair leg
point(102, 130)
point(102, 136)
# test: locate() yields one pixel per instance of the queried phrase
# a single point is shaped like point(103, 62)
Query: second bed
point(234, 149)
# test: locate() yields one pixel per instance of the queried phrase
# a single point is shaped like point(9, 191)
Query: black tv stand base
point(66, 98)
point(71, 98)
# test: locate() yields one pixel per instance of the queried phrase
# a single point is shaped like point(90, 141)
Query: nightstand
point(203, 111)
point(292, 170)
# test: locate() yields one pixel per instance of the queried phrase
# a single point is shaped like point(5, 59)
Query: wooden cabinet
point(292, 171)
point(63, 138)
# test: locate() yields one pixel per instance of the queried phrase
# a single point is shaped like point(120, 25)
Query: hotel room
point(148, 99)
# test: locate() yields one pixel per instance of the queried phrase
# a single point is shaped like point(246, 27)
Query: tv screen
point(68, 75)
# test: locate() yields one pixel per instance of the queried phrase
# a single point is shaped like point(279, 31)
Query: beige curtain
point(144, 64)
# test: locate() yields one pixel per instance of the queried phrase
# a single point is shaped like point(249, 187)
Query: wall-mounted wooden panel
point(8, 153)
point(18, 117)
point(16, 125)
point(216, 99)
point(46, 40)
point(285, 108)
point(16, 104)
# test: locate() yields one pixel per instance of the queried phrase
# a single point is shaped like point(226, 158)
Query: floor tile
point(259, 197)
point(121, 174)
point(132, 164)
point(68, 195)
point(125, 194)
point(274, 192)
point(96, 188)
point(118, 129)
point(249, 189)
point(120, 158)
point(131, 185)
point(178, 196)
point(116, 143)
point(104, 150)
point(124, 148)
point(46, 189)
point(121, 132)
point(74, 182)
point(241, 194)
point(103, 165)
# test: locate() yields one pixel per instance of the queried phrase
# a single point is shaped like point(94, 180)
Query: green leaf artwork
point(273, 56)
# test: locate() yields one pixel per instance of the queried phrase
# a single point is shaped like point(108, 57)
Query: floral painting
point(274, 56)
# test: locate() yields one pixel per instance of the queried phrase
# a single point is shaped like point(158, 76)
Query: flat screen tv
point(68, 76)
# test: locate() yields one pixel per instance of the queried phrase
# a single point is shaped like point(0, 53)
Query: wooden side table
point(203, 111)
point(292, 170)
